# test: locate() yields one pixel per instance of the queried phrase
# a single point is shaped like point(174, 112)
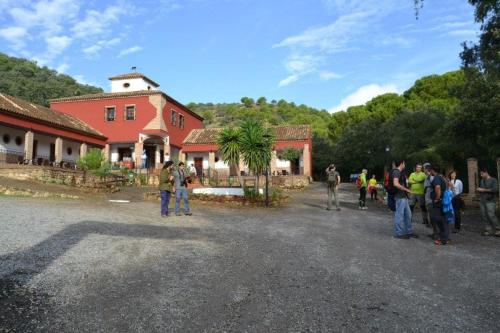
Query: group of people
point(174, 182)
point(439, 198)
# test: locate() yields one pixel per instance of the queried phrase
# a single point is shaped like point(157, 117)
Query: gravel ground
point(93, 266)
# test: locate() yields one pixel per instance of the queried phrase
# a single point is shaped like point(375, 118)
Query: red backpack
point(358, 182)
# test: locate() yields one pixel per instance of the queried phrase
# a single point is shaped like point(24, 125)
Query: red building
point(138, 119)
point(201, 150)
point(34, 134)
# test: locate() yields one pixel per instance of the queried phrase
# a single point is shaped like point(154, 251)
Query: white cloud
point(330, 38)
point(97, 23)
point(62, 68)
point(290, 79)
point(102, 44)
point(463, 33)
point(132, 49)
point(326, 75)
point(396, 40)
point(363, 95)
point(15, 36)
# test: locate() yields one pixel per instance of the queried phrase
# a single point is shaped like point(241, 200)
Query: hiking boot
point(338, 208)
point(188, 214)
point(402, 237)
point(413, 235)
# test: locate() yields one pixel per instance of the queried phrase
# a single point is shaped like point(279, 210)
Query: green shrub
point(93, 160)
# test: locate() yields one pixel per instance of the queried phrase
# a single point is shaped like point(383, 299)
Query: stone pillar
point(472, 170)
point(83, 149)
point(158, 156)
point(138, 147)
point(166, 151)
point(28, 145)
point(274, 162)
point(211, 160)
point(59, 150)
point(306, 157)
point(105, 152)
point(182, 156)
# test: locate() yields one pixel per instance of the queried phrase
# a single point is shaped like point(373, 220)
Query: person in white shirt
point(458, 203)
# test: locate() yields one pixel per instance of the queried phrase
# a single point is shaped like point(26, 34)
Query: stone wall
point(56, 175)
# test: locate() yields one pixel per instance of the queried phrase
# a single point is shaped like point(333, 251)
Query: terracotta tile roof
point(137, 93)
point(133, 76)
point(35, 112)
point(282, 133)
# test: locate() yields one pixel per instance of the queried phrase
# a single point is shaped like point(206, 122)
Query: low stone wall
point(58, 176)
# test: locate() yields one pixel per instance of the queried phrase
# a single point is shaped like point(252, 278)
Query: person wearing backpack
point(332, 182)
point(402, 217)
point(389, 189)
point(438, 187)
point(361, 184)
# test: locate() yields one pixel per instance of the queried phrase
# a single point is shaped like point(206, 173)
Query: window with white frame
point(130, 112)
point(110, 113)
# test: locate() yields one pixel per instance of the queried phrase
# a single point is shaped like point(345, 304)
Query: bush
point(93, 160)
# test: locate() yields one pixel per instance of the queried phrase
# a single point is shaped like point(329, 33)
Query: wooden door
point(198, 165)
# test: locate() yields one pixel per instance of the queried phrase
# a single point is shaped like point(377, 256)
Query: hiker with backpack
point(389, 189)
point(332, 182)
point(438, 187)
point(402, 217)
point(361, 184)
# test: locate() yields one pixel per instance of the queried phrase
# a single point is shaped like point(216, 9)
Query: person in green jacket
point(166, 186)
point(416, 182)
point(362, 189)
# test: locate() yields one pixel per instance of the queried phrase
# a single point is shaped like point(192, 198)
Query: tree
point(228, 142)
point(291, 154)
point(256, 144)
point(261, 101)
point(247, 101)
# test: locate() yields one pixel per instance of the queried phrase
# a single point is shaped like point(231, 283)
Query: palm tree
point(256, 144)
point(229, 147)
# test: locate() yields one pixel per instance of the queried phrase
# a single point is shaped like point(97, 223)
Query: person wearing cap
point(180, 188)
point(416, 181)
point(333, 181)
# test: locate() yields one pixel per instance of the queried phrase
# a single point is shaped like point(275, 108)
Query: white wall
point(113, 150)
point(191, 156)
point(282, 164)
point(75, 154)
point(221, 164)
point(135, 85)
point(13, 132)
point(43, 146)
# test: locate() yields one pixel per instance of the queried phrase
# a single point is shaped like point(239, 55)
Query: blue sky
point(327, 54)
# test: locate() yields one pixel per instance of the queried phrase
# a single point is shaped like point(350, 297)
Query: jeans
point(362, 197)
point(488, 216)
point(414, 198)
point(332, 192)
point(165, 199)
point(391, 201)
point(457, 204)
point(181, 192)
point(402, 218)
point(437, 217)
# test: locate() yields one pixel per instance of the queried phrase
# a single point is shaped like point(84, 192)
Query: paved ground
point(93, 266)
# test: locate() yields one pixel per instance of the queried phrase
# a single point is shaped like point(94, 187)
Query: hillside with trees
point(25, 79)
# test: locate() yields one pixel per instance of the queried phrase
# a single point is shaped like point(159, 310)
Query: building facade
point(200, 150)
point(33, 134)
point(144, 126)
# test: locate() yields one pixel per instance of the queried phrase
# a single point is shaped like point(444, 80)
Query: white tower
point(132, 82)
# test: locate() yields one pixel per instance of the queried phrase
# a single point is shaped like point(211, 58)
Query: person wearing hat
point(333, 181)
point(180, 188)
